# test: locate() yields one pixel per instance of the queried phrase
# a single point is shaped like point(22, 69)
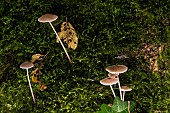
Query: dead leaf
point(36, 57)
point(42, 86)
point(35, 73)
point(69, 35)
point(155, 66)
point(152, 52)
point(110, 105)
point(34, 79)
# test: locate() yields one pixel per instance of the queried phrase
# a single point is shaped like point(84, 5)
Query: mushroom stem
point(30, 86)
point(123, 95)
point(120, 89)
point(128, 106)
point(61, 42)
point(112, 91)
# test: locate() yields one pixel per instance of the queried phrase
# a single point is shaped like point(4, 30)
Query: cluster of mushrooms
point(113, 78)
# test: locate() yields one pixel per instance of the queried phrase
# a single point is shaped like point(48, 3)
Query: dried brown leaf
point(42, 86)
point(69, 35)
point(35, 72)
point(110, 105)
point(34, 79)
point(36, 57)
point(155, 66)
point(151, 52)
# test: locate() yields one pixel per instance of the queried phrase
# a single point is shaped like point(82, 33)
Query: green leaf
point(120, 106)
point(105, 109)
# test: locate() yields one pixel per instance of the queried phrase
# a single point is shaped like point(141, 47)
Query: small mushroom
point(27, 65)
point(50, 18)
point(124, 89)
point(109, 81)
point(116, 69)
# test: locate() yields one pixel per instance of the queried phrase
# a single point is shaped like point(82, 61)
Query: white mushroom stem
point(128, 106)
point(61, 42)
point(123, 95)
point(119, 86)
point(120, 90)
point(30, 86)
point(112, 91)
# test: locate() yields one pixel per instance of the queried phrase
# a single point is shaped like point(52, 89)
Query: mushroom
point(116, 69)
point(27, 65)
point(124, 89)
point(50, 18)
point(113, 75)
point(109, 81)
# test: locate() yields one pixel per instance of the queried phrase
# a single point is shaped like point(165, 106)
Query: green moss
point(105, 29)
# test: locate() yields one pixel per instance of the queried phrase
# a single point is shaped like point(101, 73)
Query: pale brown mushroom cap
point(116, 69)
point(125, 88)
point(47, 18)
point(26, 65)
point(109, 81)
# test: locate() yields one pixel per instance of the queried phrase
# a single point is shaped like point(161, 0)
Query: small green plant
point(118, 106)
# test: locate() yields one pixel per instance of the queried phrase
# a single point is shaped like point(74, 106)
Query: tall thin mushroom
point(27, 65)
point(50, 18)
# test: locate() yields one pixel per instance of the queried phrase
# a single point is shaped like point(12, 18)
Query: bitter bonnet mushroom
point(50, 18)
point(27, 65)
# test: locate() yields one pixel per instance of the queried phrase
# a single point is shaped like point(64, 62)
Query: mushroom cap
point(109, 81)
point(113, 75)
point(115, 69)
point(47, 18)
point(125, 88)
point(26, 65)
